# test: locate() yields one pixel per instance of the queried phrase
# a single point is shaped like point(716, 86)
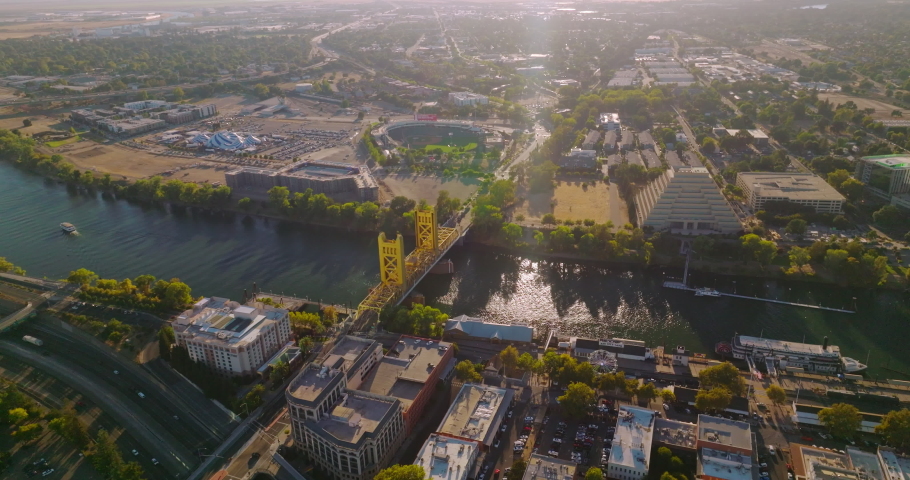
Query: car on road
point(763, 465)
point(771, 449)
point(116, 372)
point(135, 452)
point(141, 395)
point(496, 445)
point(155, 461)
point(47, 472)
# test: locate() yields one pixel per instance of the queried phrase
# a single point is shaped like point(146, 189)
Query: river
point(218, 255)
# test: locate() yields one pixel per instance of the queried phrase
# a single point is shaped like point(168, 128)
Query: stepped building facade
point(685, 201)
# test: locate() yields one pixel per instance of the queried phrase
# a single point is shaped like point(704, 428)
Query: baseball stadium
point(429, 135)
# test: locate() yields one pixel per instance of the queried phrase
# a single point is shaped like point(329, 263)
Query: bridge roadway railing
point(417, 264)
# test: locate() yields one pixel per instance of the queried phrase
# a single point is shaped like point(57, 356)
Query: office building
point(801, 188)
point(630, 454)
point(231, 338)
point(447, 458)
point(410, 372)
point(540, 467)
point(685, 201)
point(886, 177)
point(477, 413)
point(468, 99)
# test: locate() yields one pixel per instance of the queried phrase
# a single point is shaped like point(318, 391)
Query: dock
point(682, 286)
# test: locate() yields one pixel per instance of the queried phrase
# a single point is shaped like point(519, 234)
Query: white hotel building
point(231, 338)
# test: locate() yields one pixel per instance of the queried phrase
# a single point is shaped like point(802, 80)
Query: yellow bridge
point(399, 274)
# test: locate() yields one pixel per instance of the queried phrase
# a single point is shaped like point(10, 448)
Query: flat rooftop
point(356, 417)
point(346, 352)
point(788, 347)
point(795, 186)
point(403, 372)
point(896, 162)
point(729, 466)
point(675, 433)
point(476, 412)
point(447, 458)
point(821, 464)
point(632, 440)
point(546, 468)
point(896, 467)
point(866, 463)
point(724, 432)
point(222, 321)
point(312, 381)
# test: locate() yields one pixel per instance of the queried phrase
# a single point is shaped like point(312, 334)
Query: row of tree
point(144, 292)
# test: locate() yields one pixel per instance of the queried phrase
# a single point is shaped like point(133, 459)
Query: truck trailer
point(33, 340)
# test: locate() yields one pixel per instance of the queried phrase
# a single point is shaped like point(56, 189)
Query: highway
point(201, 422)
point(156, 440)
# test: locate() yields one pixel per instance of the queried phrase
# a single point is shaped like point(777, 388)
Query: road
point(155, 438)
point(201, 422)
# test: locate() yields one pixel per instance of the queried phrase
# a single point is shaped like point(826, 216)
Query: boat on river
point(853, 366)
point(68, 227)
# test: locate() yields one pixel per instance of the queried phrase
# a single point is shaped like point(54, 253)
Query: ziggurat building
point(685, 201)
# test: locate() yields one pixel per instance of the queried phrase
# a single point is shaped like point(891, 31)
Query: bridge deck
point(417, 264)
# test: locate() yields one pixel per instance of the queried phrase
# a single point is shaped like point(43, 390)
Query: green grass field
point(60, 143)
point(447, 149)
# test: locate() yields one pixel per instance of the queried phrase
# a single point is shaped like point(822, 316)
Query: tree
point(548, 219)
point(841, 419)
point(647, 392)
point(709, 145)
point(106, 459)
point(838, 177)
point(517, 472)
point(895, 429)
point(578, 400)
point(776, 394)
point(527, 362)
point(81, 277)
point(166, 339)
point(724, 375)
point(305, 345)
point(280, 371)
point(852, 189)
point(178, 93)
point(464, 371)
point(261, 91)
point(69, 426)
point(797, 226)
point(7, 266)
point(594, 473)
point(27, 433)
point(401, 472)
point(888, 216)
point(668, 396)
point(509, 357)
point(26, 123)
point(512, 234)
point(17, 415)
point(446, 206)
point(245, 204)
point(502, 193)
point(715, 399)
point(799, 256)
point(177, 294)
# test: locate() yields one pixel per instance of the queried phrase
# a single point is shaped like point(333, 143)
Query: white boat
point(68, 227)
point(852, 365)
point(706, 292)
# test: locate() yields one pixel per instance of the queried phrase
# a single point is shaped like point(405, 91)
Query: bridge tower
point(427, 235)
point(391, 260)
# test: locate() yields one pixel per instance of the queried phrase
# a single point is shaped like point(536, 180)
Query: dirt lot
point(572, 201)
point(427, 188)
point(776, 50)
point(40, 123)
point(882, 110)
point(130, 163)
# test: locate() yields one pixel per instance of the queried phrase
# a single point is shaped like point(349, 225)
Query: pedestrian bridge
point(399, 274)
